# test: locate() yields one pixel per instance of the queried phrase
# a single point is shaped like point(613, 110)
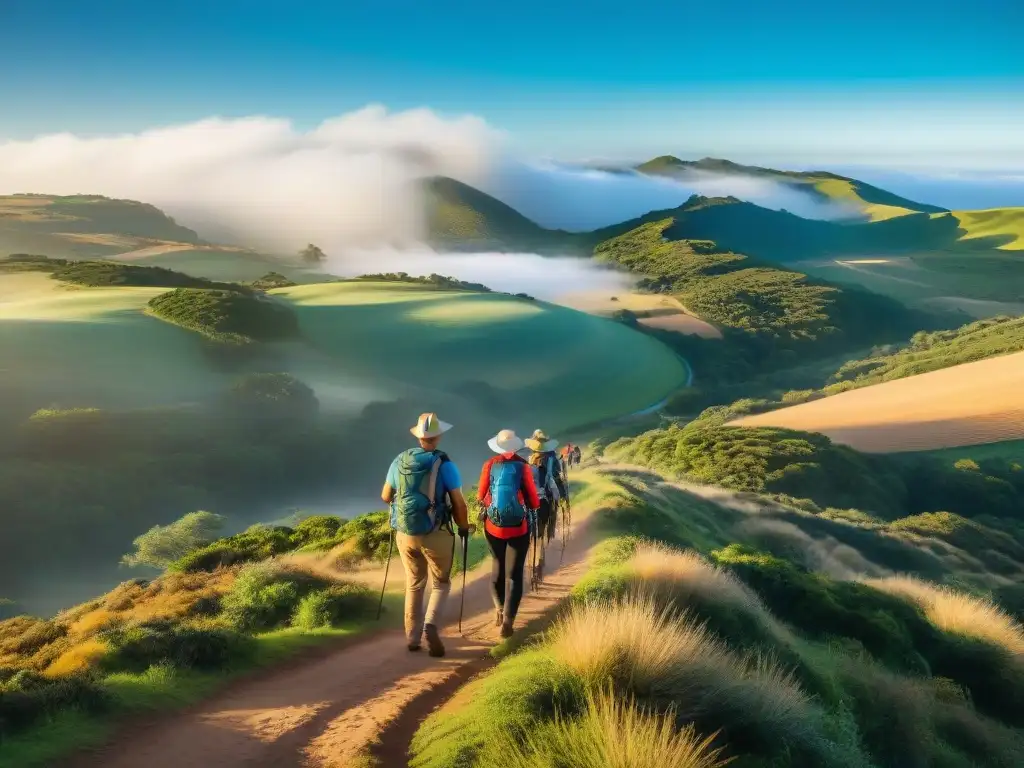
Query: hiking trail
point(366, 697)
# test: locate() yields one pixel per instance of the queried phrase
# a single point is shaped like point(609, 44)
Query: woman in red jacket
point(509, 498)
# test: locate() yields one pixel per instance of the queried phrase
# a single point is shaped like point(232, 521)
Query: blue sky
point(893, 82)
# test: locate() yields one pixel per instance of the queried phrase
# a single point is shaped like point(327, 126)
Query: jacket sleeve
point(483, 490)
point(530, 488)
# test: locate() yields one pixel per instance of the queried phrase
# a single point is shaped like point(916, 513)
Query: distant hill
point(85, 225)
point(1003, 228)
point(460, 216)
point(872, 203)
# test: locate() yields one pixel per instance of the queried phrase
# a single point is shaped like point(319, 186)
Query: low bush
point(226, 316)
point(27, 698)
point(334, 605)
point(135, 648)
point(259, 542)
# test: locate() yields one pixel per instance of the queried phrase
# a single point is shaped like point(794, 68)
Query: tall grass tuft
point(959, 613)
point(609, 734)
point(668, 660)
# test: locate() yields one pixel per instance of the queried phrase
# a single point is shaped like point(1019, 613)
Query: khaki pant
point(419, 554)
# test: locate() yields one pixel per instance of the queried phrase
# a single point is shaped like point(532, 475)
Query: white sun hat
point(429, 426)
point(505, 441)
point(539, 442)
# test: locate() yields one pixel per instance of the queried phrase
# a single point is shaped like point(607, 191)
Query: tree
point(273, 395)
point(161, 545)
point(312, 254)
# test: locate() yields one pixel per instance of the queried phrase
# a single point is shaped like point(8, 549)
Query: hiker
point(424, 490)
point(567, 456)
point(509, 498)
point(550, 483)
point(577, 455)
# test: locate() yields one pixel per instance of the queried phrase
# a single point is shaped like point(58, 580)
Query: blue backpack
point(544, 475)
point(414, 510)
point(506, 511)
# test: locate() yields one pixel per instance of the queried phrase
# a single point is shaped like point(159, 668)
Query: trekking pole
point(465, 557)
point(391, 544)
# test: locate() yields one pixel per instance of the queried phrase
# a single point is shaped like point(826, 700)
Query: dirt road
point(326, 712)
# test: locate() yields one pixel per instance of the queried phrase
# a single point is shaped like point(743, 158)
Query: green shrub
point(316, 528)
point(26, 698)
point(161, 545)
point(334, 605)
point(226, 316)
point(261, 598)
point(113, 273)
point(138, 647)
point(889, 628)
point(259, 542)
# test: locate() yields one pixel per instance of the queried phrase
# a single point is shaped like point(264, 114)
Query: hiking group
point(519, 502)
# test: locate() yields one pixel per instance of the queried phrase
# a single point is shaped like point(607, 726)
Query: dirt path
point(329, 711)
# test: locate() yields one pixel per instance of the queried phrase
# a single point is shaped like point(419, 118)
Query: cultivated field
point(980, 402)
point(652, 310)
point(561, 366)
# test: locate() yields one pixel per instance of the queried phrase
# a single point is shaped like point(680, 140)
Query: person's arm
point(483, 489)
point(530, 489)
point(387, 493)
point(460, 510)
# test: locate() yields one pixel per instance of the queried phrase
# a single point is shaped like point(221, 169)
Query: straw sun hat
point(540, 442)
point(429, 426)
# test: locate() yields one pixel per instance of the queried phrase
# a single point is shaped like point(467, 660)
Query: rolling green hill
point(872, 203)
point(462, 217)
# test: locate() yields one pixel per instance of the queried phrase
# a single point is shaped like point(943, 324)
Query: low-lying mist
point(352, 181)
point(543, 277)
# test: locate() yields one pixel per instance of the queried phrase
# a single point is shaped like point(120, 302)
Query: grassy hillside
point(870, 202)
point(84, 225)
point(775, 314)
point(471, 337)
point(735, 630)
point(1005, 224)
point(462, 217)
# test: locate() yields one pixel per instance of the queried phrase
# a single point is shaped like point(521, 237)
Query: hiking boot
point(506, 630)
point(434, 645)
point(414, 647)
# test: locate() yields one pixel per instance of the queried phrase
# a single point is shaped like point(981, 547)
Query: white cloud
point(261, 182)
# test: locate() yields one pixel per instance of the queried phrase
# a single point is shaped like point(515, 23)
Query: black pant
point(508, 562)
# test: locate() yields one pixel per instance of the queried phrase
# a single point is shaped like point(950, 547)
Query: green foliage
point(932, 351)
point(163, 544)
point(769, 460)
point(27, 698)
point(262, 597)
point(135, 648)
point(272, 280)
point(437, 281)
point(775, 313)
point(316, 528)
point(272, 396)
point(259, 542)
point(113, 273)
point(334, 605)
point(226, 316)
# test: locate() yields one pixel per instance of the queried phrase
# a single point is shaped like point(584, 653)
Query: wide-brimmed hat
point(540, 442)
point(506, 441)
point(429, 426)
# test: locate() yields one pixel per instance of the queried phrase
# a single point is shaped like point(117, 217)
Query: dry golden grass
point(655, 310)
point(612, 734)
point(685, 572)
point(92, 622)
point(959, 613)
point(649, 650)
point(964, 405)
point(77, 658)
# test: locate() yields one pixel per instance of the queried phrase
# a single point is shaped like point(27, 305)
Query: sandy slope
point(327, 711)
point(656, 311)
point(967, 404)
